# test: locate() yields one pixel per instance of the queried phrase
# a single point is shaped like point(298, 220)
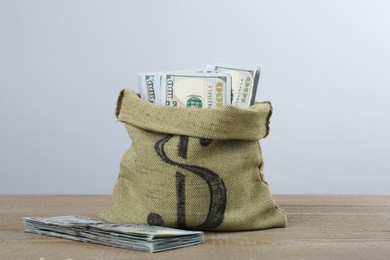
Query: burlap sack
point(193, 168)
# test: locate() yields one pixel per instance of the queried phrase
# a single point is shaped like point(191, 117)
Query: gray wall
point(325, 67)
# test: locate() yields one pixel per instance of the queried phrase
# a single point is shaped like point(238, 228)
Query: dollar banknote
point(147, 86)
point(195, 89)
point(130, 236)
point(245, 80)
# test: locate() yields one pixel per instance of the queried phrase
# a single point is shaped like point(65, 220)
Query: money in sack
point(199, 169)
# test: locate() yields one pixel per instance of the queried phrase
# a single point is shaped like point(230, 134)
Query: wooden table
point(320, 227)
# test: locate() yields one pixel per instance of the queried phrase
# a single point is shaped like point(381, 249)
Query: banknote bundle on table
point(209, 87)
point(136, 237)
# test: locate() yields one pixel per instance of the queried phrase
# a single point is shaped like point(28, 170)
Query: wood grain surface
point(319, 227)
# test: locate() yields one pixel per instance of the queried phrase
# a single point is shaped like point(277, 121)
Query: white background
point(325, 67)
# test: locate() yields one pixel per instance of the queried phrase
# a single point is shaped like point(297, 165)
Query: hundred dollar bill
point(195, 90)
point(147, 86)
point(129, 236)
point(245, 79)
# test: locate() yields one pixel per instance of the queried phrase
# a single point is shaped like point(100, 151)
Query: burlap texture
point(193, 168)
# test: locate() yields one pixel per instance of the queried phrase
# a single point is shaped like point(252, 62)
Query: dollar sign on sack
point(214, 182)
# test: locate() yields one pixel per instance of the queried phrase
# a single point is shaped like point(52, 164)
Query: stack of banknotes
point(209, 87)
point(136, 237)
